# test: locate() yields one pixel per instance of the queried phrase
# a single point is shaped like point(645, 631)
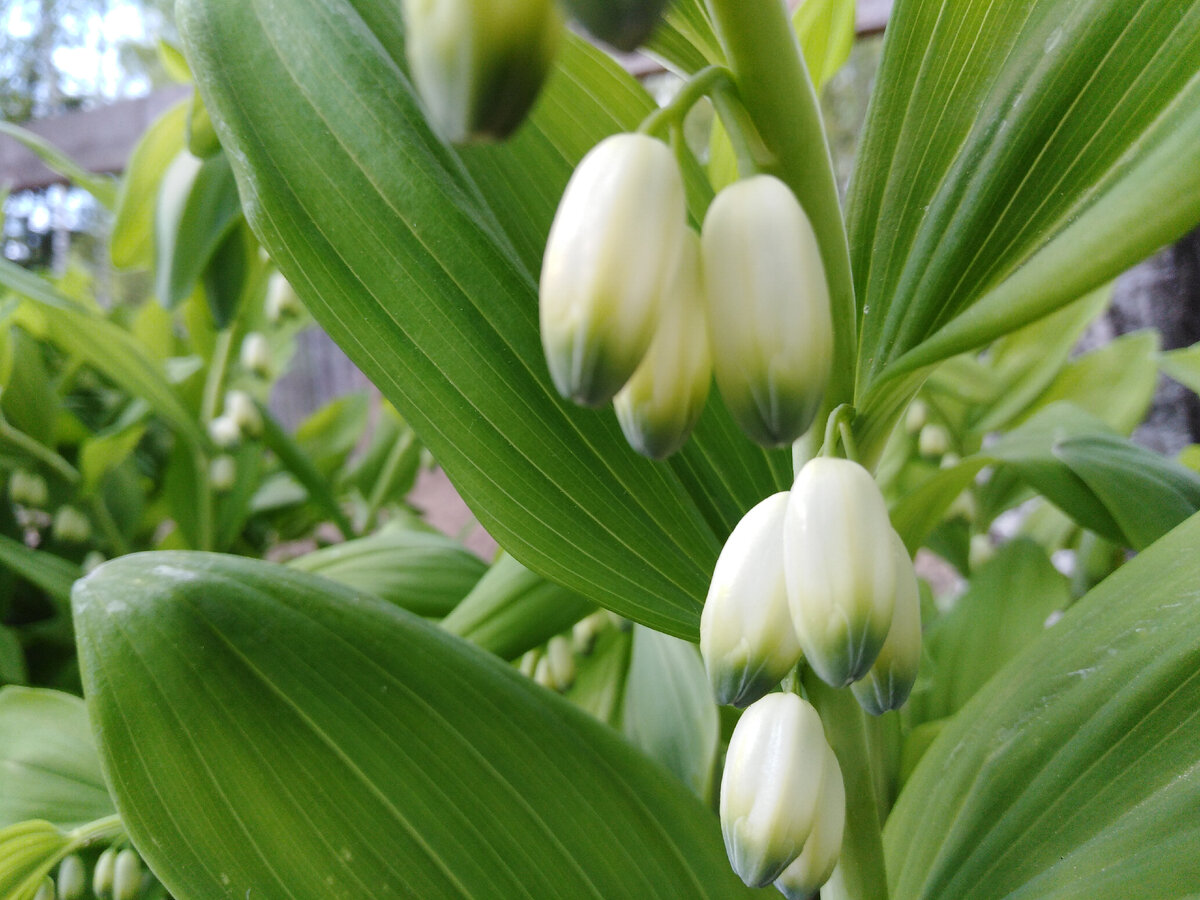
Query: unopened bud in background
point(478, 65)
point(933, 440)
point(586, 631)
point(981, 551)
point(72, 878)
point(222, 473)
point(561, 658)
point(224, 431)
point(624, 24)
point(662, 402)
point(916, 417)
point(812, 868)
point(28, 489)
point(256, 355)
point(894, 672)
point(71, 526)
point(768, 304)
point(241, 408)
point(841, 572)
point(282, 302)
point(127, 875)
point(102, 874)
point(771, 788)
point(746, 633)
point(613, 252)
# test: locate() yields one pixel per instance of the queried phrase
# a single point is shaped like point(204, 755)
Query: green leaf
point(826, 29)
point(422, 571)
point(600, 679)
point(317, 743)
point(48, 764)
point(29, 401)
point(1006, 606)
point(421, 264)
point(102, 187)
point(1073, 773)
point(12, 658)
point(669, 709)
point(51, 573)
point(132, 242)
point(512, 610)
point(1017, 155)
point(101, 454)
point(1183, 366)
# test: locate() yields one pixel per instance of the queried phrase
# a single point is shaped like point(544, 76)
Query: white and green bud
point(256, 355)
point(933, 440)
point(587, 630)
point(527, 665)
point(561, 658)
point(841, 570)
point(478, 65)
point(662, 402)
point(28, 489)
point(980, 551)
point(72, 878)
point(746, 633)
point(222, 473)
point(768, 306)
point(102, 874)
point(891, 679)
point(71, 526)
point(282, 302)
point(127, 875)
point(46, 890)
point(624, 24)
point(816, 862)
point(612, 255)
point(771, 789)
point(917, 417)
point(224, 431)
point(241, 408)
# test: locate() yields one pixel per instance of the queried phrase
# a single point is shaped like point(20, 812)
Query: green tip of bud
point(815, 864)
point(479, 65)
point(102, 874)
point(623, 24)
point(72, 878)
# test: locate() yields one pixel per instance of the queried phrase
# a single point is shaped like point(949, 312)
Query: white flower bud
point(933, 440)
point(28, 489)
point(241, 408)
point(102, 874)
point(71, 526)
point(768, 303)
point(222, 473)
point(980, 551)
point(127, 875)
point(282, 302)
point(812, 868)
point(256, 355)
point(478, 65)
point(916, 417)
point(841, 571)
point(662, 402)
point(561, 659)
point(746, 633)
point(771, 789)
point(72, 878)
point(224, 432)
point(587, 630)
point(613, 252)
point(894, 672)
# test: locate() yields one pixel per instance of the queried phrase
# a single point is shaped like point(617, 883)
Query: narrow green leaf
point(48, 764)
point(317, 743)
point(1076, 771)
point(1184, 366)
point(826, 29)
point(51, 573)
point(102, 187)
point(424, 572)
point(131, 243)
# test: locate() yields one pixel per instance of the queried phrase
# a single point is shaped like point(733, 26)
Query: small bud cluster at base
point(782, 801)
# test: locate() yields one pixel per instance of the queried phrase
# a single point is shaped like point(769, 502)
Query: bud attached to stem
point(624, 24)
point(662, 402)
point(841, 571)
point(894, 672)
point(812, 868)
point(771, 790)
point(479, 65)
point(746, 633)
point(613, 253)
point(769, 314)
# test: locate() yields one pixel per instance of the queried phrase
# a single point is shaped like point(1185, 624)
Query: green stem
point(384, 482)
point(693, 91)
point(107, 829)
point(38, 451)
point(863, 876)
point(217, 368)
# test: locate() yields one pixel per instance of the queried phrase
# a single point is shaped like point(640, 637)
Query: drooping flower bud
point(768, 303)
point(127, 875)
point(771, 789)
point(282, 302)
point(933, 440)
point(894, 672)
point(222, 473)
point(624, 24)
point(746, 633)
point(613, 251)
point(478, 65)
point(102, 874)
point(71, 526)
point(980, 551)
point(662, 402)
point(28, 489)
point(917, 417)
point(841, 571)
point(241, 408)
point(72, 878)
point(224, 431)
point(256, 355)
point(561, 658)
point(812, 868)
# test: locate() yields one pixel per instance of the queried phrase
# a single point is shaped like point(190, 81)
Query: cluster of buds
point(636, 308)
point(816, 575)
point(240, 418)
point(479, 65)
point(118, 875)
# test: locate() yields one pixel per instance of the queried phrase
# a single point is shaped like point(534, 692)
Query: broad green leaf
point(1076, 771)
point(48, 764)
point(669, 710)
point(1017, 155)
point(1184, 366)
point(512, 610)
point(424, 572)
point(197, 208)
point(403, 251)
point(1006, 606)
point(132, 243)
point(826, 30)
point(51, 573)
point(317, 743)
point(102, 187)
